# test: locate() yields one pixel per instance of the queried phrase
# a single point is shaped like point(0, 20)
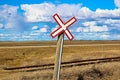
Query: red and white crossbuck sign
point(63, 27)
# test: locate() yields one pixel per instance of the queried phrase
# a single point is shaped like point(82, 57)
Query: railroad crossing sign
point(63, 27)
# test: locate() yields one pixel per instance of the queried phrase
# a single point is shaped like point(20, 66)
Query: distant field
point(22, 56)
point(40, 43)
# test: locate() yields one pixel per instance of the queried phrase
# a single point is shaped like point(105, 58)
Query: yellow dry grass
point(11, 57)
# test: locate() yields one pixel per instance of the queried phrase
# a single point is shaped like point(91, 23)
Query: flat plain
point(18, 54)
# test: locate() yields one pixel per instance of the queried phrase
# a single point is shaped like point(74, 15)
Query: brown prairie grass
point(11, 57)
point(102, 71)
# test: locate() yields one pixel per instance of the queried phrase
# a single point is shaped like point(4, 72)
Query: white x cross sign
point(63, 27)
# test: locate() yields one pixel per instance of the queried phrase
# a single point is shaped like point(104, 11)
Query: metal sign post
point(58, 56)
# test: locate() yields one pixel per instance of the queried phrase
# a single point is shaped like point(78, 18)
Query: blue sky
point(93, 5)
point(26, 20)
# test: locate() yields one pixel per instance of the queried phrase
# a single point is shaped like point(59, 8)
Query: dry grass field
point(14, 54)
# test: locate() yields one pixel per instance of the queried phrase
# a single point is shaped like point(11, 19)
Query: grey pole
point(58, 57)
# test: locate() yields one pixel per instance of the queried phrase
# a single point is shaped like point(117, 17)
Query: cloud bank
point(44, 11)
point(117, 3)
point(101, 24)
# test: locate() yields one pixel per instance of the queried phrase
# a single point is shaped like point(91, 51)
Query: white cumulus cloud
point(98, 28)
point(8, 11)
point(105, 13)
point(44, 29)
point(86, 29)
point(8, 14)
point(1, 25)
point(38, 12)
point(89, 23)
point(117, 3)
point(11, 18)
point(45, 11)
point(105, 36)
point(34, 27)
point(93, 27)
point(79, 29)
point(84, 13)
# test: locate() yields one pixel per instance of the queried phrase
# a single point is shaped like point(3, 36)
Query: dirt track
point(55, 45)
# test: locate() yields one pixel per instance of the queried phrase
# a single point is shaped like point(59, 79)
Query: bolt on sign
point(63, 28)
